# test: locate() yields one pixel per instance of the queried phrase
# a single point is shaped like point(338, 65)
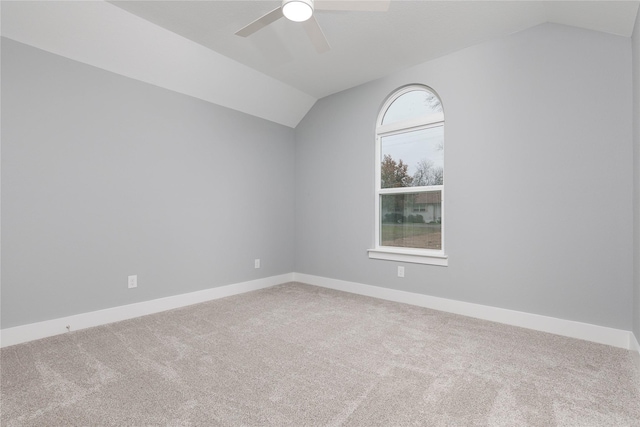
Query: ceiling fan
point(302, 11)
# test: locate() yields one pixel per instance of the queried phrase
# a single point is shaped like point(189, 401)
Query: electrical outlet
point(256, 263)
point(133, 281)
point(400, 271)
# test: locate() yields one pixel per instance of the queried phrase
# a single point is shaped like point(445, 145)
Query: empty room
point(320, 213)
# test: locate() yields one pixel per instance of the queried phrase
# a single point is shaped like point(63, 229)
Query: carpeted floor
point(299, 355)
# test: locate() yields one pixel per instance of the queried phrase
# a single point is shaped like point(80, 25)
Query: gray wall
point(538, 178)
point(636, 176)
point(104, 176)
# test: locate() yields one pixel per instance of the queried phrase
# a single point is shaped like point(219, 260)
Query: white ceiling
point(368, 45)
point(276, 74)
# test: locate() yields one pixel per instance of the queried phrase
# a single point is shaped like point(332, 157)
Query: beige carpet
point(298, 355)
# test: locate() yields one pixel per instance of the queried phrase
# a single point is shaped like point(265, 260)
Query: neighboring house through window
point(410, 178)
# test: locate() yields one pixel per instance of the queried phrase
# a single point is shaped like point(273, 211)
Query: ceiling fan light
point(297, 10)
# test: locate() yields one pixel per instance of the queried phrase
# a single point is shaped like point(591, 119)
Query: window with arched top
point(409, 170)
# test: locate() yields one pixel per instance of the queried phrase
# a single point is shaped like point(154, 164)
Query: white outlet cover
point(256, 263)
point(400, 271)
point(133, 281)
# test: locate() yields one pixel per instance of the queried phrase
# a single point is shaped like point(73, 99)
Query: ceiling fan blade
point(260, 23)
point(316, 35)
point(353, 5)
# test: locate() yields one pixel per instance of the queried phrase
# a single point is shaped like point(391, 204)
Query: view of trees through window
point(412, 157)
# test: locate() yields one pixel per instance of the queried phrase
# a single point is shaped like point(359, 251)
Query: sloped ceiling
point(190, 46)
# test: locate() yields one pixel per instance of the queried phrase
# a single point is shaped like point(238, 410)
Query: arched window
point(410, 178)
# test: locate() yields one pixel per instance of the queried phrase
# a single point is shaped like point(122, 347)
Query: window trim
point(394, 253)
point(430, 121)
point(409, 255)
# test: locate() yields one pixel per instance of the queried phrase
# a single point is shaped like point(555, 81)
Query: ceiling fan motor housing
point(297, 10)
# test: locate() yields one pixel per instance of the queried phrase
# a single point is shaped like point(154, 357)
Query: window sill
point(409, 255)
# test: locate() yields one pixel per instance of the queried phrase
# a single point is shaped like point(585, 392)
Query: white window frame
point(394, 253)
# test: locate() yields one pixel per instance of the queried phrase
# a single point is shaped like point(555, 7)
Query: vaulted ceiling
point(367, 45)
point(276, 74)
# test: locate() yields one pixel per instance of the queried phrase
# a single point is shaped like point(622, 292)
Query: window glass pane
point(412, 159)
point(411, 220)
point(411, 105)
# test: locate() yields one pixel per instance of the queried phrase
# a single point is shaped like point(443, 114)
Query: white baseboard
point(568, 328)
point(48, 328)
point(634, 346)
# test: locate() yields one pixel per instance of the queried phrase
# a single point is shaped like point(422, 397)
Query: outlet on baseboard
point(133, 281)
point(400, 271)
point(256, 263)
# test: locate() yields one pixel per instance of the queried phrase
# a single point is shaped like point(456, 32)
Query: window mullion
point(402, 190)
point(396, 128)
